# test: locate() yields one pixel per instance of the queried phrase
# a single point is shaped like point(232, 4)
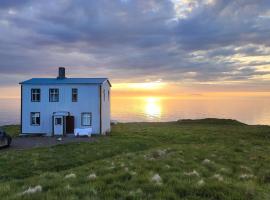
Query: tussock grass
point(12, 130)
point(146, 161)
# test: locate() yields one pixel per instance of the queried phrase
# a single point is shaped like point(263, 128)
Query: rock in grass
point(246, 176)
point(193, 173)
point(156, 179)
point(200, 182)
point(206, 161)
point(223, 169)
point(167, 166)
point(32, 190)
point(218, 177)
point(92, 176)
point(70, 175)
point(133, 173)
point(159, 153)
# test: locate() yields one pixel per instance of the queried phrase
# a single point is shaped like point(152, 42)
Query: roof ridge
point(83, 80)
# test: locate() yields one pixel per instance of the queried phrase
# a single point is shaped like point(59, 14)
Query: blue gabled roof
point(48, 81)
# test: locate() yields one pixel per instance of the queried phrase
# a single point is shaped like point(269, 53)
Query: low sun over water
point(250, 110)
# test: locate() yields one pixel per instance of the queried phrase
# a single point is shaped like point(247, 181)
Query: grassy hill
point(188, 159)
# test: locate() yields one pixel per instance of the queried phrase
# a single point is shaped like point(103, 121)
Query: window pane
point(74, 94)
point(86, 119)
point(35, 95)
point(54, 95)
point(35, 118)
point(58, 121)
point(38, 97)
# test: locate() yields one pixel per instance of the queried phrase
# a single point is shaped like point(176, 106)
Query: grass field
point(202, 159)
point(12, 130)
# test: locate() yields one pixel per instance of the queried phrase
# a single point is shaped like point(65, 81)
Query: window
point(54, 95)
point(108, 95)
point(104, 95)
point(35, 95)
point(74, 94)
point(58, 121)
point(86, 119)
point(35, 118)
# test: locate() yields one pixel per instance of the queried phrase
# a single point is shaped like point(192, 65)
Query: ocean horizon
point(248, 109)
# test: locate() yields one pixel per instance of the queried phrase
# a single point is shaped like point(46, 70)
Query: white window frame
point(54, 95)
point(86, 116)
point(74, 91)
point(35, 92)
point(33, 118)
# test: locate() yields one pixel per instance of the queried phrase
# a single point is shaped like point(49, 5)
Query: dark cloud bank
point(196, 41)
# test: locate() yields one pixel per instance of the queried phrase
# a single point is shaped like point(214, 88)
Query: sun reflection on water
point(152, 108)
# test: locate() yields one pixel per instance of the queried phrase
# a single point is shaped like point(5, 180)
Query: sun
point(152, 107)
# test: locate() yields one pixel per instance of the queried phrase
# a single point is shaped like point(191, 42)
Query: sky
point(166, 47)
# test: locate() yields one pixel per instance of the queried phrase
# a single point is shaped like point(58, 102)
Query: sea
point(247, 109)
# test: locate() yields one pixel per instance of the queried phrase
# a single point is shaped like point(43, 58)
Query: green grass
point(195, 159)
point(12, 130)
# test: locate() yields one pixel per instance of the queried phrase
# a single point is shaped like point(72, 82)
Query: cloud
point(13, 4)
point(176, 41)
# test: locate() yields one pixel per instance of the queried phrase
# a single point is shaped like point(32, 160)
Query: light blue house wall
point(106, 107)
point(90, 99)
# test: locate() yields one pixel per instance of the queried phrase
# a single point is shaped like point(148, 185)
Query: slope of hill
point(173, 160)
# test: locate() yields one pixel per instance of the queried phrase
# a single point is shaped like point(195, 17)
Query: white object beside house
point(58, 106)
point(83, 132)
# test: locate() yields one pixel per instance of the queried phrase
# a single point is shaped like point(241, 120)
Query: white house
point(56, 106)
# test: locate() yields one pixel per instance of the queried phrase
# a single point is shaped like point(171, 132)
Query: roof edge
point(28, 82)
point(109, 82)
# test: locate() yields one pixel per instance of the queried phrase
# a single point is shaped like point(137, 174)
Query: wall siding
point(88, 101)
point(106, 109)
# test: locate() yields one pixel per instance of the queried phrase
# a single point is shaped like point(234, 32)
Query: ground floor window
point(35, 118)
point(86, 119)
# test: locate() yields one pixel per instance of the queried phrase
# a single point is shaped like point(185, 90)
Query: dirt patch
point(20, 143)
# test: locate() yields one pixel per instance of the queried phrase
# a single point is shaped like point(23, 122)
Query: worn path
point(20, 143)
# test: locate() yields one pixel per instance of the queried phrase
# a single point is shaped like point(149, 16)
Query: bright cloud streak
point(139, 86)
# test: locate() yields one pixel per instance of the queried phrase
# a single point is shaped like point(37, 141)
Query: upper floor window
point(108, 95)
point(74, 94)
point(104, 95)
point(86, 119)
point(35, 118)
point(54, 95)
point(35, 95)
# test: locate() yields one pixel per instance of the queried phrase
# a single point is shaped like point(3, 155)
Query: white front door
point(58, 125)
